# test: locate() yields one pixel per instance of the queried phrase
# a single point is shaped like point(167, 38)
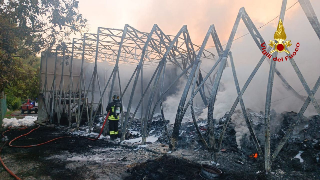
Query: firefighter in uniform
point(114, 108)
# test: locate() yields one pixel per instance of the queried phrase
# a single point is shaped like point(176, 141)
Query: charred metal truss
point(132, 46)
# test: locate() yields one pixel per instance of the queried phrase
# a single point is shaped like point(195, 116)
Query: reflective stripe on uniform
point(112, 132)
point(111, 117)
point(116, 132)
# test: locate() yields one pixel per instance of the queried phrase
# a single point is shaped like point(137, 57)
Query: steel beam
point(180, 112)
point(80, 81)
point(244, 111)
point(54, 87)
point(117, 61)
point(216, 82)
point(71, 83)
point(124, 128)
point(267, 157)
point(95, 72)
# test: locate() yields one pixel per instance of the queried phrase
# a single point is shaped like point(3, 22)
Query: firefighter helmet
point(115, 97)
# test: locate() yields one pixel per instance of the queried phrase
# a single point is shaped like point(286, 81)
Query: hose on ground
point(34, 145)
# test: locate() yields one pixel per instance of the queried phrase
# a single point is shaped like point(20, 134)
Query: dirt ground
point(69, 158)
point(79, 158)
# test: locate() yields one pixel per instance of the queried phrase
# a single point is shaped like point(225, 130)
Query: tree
point(26, 86)
point(29, 26)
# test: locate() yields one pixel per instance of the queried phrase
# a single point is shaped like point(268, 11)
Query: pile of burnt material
point(165, 167)
point(169, 167)
point(156, 127)
point(190, 139)
point(302, 151)
point(300, 156)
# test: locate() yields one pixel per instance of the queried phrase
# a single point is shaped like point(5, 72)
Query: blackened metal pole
point(162, 63)
point(192, 109)
point(207, 76)
point(95, 71)
point(71, 83)
point(124, 128)
point(180, 111)
point(152, 94)
point(45, 93)
point(170, 86)
point(99, 85)
point(304, 84)
point(141, 118)
point(117, 61)
point(80, 81)
point(54, 87)
point(145, 92)
point(228, 117)
point(311, 15)
point(61, 84)
point(40, 82)
point(125, 89)
point(258, 40)
point(267, 161)
point(160, 92)
point(267, 157)
point(46, 75)
point(200, 85)
point(86, 105)
point(248, 121)
point(192, 59)
point(216, 83)
point(122, 114)
point(102, 95)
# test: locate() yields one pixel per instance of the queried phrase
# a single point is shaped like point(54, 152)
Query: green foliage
point(26, 86)
point(29, 26)
point(13, 103)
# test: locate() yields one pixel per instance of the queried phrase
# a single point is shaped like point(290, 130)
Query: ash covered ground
point(79, 158)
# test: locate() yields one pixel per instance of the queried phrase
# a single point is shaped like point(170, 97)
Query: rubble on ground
point(105, 159)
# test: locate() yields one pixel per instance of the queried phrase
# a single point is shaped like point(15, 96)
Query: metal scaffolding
point(141, 49)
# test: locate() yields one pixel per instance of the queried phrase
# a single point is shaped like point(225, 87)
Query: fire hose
point(34, 145)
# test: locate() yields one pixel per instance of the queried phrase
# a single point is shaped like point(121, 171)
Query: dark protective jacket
point(112, 109)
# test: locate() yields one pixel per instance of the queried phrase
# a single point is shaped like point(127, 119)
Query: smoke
point(240, 125)
point(171, 104)
point(203, 14)
point(126, 71)
point(198, 15)
point(254, 98)
point(255, 95)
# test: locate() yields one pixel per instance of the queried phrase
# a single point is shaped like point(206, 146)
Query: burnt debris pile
point(166, 167)
point(302, 151)
point(299, 157)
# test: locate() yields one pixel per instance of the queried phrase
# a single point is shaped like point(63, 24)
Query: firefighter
point(114, 109)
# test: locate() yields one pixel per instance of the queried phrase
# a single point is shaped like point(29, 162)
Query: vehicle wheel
point(36, 111)
point(22, 111)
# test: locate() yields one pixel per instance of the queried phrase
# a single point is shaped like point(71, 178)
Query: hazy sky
point(198, 15)
point(171, 15)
